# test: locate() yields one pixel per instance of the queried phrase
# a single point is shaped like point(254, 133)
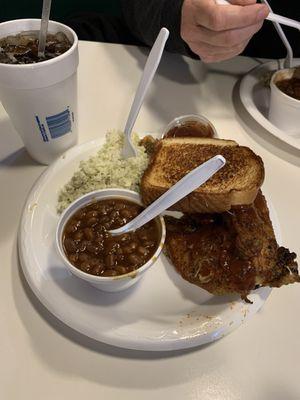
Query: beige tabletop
point(41, 358)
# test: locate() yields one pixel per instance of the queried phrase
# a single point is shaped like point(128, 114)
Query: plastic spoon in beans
point(182, 188)
point(147, 77)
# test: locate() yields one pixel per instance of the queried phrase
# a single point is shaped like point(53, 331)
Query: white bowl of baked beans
point(109, 263)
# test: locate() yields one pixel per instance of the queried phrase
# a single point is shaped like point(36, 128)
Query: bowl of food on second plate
point(284, 109)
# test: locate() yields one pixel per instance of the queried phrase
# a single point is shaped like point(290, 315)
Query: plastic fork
point(147, 77)
point(273, 17)
point(288, 62)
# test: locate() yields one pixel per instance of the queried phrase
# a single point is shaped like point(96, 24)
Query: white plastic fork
point(147, 77)
point(273, 17)
point(182, 188)
point(288, 62)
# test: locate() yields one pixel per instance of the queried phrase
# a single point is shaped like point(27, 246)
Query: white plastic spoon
point(182, 188)
point(44, 27)
point(273, 17)
point(148, 74)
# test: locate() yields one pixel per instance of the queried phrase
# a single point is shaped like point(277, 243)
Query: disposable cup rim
point(46, 63)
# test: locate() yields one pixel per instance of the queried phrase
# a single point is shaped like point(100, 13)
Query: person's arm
point(197, 27)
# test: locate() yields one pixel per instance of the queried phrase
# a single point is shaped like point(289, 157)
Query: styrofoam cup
point(41, 98)
point(284, 110)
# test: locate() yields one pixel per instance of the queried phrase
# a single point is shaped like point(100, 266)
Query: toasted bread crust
point(235, 184)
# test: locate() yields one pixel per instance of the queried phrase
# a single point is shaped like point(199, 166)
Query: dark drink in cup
point(23, 47)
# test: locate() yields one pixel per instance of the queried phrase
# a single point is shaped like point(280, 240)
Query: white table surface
point(41, 358)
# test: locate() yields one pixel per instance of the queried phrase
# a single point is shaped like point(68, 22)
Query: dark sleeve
point(145, 18)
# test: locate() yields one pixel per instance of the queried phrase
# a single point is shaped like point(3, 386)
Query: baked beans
point(91, 248)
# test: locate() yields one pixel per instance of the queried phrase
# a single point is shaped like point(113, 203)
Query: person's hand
point(219, 32)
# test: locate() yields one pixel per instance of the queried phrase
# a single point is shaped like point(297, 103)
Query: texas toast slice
point(236, 183)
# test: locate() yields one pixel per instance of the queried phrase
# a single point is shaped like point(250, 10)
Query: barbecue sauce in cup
point(190, 126)
point(191, 129)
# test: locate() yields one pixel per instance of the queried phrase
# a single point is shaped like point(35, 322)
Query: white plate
point(161, 312)
point(255, 97)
